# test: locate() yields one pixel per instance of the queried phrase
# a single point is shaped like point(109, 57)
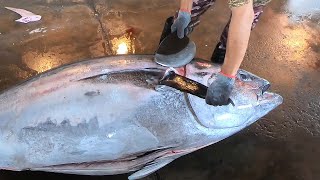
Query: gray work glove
point(219, 90)
point(181, 23)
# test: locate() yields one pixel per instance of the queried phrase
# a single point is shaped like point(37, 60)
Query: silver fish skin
point(110, 116)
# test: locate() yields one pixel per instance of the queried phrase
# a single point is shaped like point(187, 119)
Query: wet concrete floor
point(284, 48)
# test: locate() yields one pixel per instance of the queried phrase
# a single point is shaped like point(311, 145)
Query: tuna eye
point(244, 77)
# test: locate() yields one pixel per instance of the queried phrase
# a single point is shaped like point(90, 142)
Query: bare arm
point(186, 5)
point(238, 37)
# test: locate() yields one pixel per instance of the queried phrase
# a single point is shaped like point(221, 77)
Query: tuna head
point(251, 100)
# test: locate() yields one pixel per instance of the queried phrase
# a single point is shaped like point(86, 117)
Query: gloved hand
point(181, 23)
point(219, 90)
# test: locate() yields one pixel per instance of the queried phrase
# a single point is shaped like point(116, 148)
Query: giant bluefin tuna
point(120, 114)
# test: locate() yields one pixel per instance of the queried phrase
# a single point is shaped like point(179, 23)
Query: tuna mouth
point(265, 88)
point(269, 98)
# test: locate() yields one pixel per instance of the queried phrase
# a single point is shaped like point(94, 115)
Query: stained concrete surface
point(284, 48)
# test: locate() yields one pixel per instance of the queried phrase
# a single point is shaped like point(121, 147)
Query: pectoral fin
point(151, 168)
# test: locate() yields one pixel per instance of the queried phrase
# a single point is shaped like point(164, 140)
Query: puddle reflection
point(300, 9)
point(124, 44)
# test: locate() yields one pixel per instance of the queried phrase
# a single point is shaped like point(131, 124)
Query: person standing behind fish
point(233, 44)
